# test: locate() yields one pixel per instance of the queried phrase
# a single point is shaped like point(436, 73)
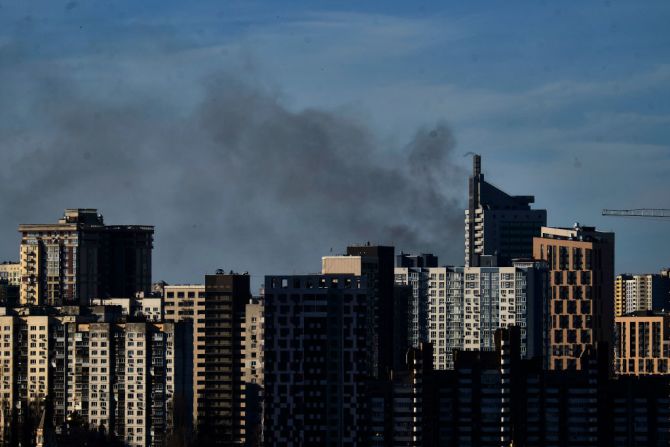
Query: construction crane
point(640, 212)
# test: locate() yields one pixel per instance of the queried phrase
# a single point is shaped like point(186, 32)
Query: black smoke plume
point(238, 181)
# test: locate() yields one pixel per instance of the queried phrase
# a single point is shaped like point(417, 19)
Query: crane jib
point(639, 212)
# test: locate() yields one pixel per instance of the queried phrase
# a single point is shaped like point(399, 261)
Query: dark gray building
point(376, 263)
point(316, 360)
point(498, 224)
point(422, 260)
point(219, 357)
point(412, 271)
point(497, 398)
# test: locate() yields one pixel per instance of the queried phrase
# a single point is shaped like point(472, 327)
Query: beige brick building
point(185, 302)
point(11, 272)
point(581, 304)
point(118, 377)
point(642, 343)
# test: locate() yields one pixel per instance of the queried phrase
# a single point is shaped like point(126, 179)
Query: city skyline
point(334, 223)
point(127, 98)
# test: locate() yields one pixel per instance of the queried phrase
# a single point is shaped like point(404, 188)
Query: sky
point(260, 136)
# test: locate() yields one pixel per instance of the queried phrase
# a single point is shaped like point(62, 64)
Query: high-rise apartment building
point(117, 377)
point(377, 264)
point(497, 224)
point(413, 271)
point(581, 310)
point(26, 378)
point(634, 293)
point(416, 278)
point(252, 374)
point(468, 304)
point(181, 303)
point(316, 360)
point(496, 398)
point(80, 258)
point(642, 344)
point(217, 311)
point(620, 294)
point(473, 402)
point(400, 408)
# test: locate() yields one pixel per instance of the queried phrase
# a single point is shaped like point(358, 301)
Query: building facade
point(182, 302)
point(11, 272)
point(417, 307)
point(642, 344)
point(252, 374)
point(581, 272)
point(316, 360)
point(468, 304)
point(495, 398)
point(217, 311)
point(400, 408)
point(413, 271)
point(116, 377)
point(377, 264)
point(80, 258)
point(150, 308)
point(644, 292)
point(497, 224)
point(9, 294)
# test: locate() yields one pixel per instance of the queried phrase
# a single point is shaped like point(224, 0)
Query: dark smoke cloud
point(238, 181)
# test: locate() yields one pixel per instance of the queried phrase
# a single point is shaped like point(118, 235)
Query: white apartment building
point(642, 292)
point(468, 304)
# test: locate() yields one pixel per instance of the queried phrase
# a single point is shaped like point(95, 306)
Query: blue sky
point(569, 101)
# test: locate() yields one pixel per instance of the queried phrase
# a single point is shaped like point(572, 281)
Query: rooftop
point(74, 218)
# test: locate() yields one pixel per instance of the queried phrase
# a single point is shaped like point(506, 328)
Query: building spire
point(476, 165)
